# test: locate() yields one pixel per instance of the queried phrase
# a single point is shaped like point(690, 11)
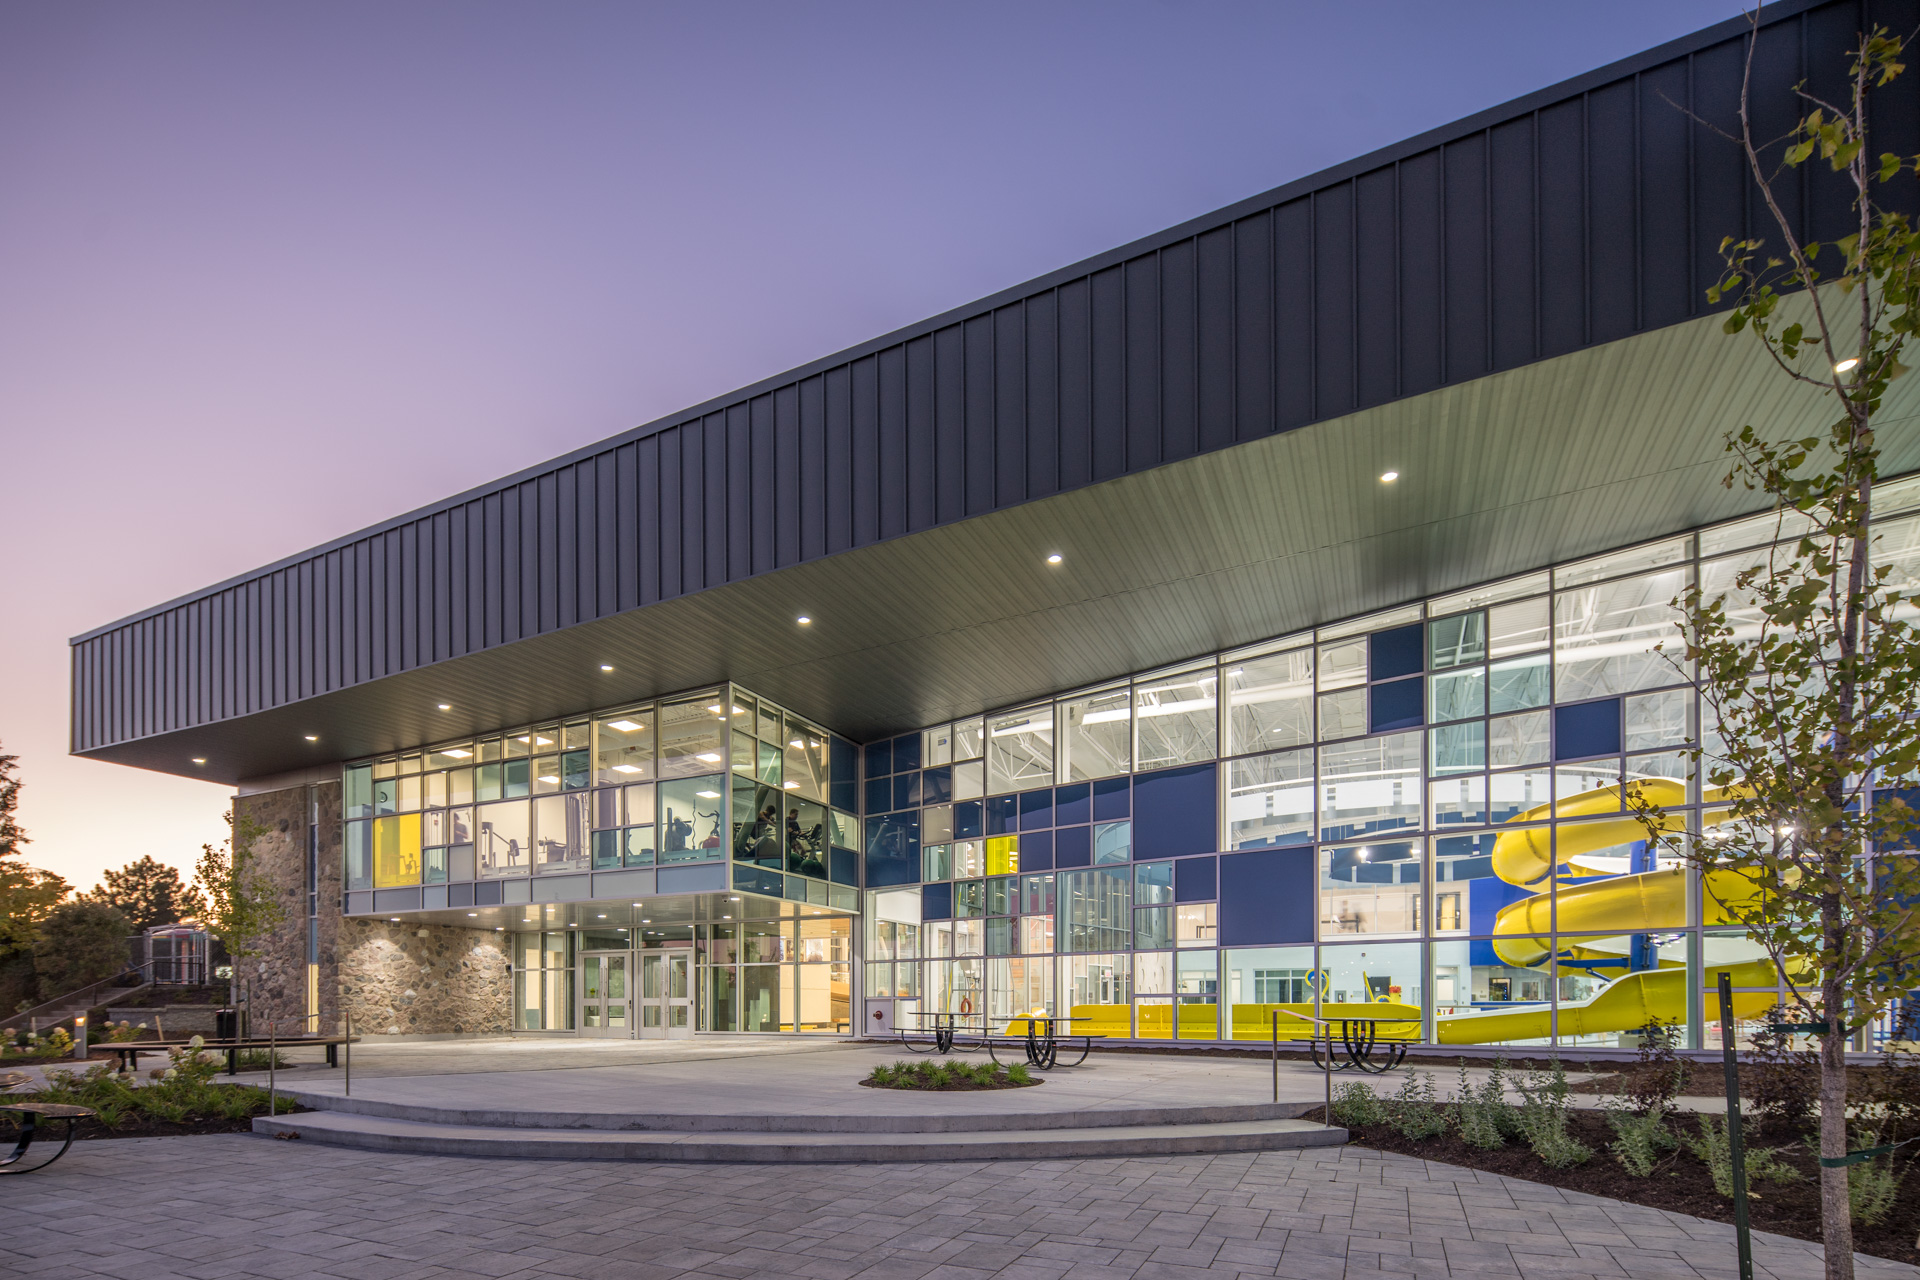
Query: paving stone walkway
point(152, 1208)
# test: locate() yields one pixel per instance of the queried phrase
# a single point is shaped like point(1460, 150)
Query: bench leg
point(27, 1131)
point(333, 1055)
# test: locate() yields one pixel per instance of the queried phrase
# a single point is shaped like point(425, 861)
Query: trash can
point(226, 1024)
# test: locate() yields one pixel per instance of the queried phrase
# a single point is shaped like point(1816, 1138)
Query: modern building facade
point(1265, 615)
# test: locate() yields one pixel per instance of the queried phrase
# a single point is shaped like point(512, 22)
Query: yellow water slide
point(1534, 859)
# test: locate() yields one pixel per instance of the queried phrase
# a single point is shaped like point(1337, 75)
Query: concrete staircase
point(60, 1012)
point(379, 1126)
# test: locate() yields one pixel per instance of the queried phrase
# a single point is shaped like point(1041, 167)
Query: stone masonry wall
point(276, 975)
point(396, 981)
point(389, 977)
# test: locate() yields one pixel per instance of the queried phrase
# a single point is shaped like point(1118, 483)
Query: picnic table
point(32, 1114)
point(1043, 1047)
point(130, 1050)
point(943, 1032)
point(1360, 1037)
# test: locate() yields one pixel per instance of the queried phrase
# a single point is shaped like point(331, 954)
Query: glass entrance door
point(666, 996)
point(606, 1005)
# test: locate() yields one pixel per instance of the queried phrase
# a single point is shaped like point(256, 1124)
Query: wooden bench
point(34, 1113)
point(130, 1050)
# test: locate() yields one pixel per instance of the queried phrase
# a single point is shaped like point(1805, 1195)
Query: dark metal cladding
point(1584, 213)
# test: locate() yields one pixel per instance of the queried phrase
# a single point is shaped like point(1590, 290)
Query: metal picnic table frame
point(1360, 1037)
point(1043, 1049)
point(34, 1113)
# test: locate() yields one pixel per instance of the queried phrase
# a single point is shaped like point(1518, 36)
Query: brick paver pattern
point(145, 1209)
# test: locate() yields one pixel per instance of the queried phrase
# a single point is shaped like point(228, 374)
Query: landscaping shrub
point(1544, 1106)
point(1639, 1136)
point(1483, 1116)
point(1415, 1112)
point(1783, 1083)
point(1661, 1073)
point(952, 1073)
point(1357, 1106)
point(1714, 1149)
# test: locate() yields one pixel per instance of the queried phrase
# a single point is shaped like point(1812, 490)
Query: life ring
point(966, 1006)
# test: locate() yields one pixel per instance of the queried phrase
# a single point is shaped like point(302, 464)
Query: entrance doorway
point(666, 996)
point(606, 1001)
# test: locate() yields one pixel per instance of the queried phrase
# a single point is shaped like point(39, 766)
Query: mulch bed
point(1680, 1182)
point(140, 1125)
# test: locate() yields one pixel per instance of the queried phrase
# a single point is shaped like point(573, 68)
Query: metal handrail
point(80, 995)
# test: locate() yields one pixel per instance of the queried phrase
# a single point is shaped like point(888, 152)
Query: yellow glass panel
point(1003, 855)
point(396, 851)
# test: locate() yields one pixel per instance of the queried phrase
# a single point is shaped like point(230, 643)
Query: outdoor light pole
point(80, 1036)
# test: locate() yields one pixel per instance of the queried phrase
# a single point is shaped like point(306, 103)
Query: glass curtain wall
point(1422, 811)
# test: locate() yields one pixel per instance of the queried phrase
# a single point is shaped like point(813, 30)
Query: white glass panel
point(1604, 636)
point(1522, 739)
point(1020, 750)
point(1492, 593)
point(1517, 628)
point(1177, 718)
point(1455, 695)
point(1372, 622)
point(1269, 701)
point(1343, 714)
point(1343, 665)
point(1270, 800)
point(1370, 786)
point(1615, 563)
point(1096, 735)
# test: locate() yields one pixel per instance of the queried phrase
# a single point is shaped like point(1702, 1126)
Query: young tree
point(148, 893)
point(11, 835)
point(79, 943)
point(1810, 664)
point(241, 906)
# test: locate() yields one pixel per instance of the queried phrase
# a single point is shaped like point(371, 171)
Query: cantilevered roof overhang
point(1509, 312)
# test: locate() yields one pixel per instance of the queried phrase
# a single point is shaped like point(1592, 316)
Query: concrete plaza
point(246, 1206)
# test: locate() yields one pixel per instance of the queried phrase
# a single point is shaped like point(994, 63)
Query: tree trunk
point(1836, 1215)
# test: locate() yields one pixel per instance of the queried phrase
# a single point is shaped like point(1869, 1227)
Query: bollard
point(349, 1050)
point(80, 1036)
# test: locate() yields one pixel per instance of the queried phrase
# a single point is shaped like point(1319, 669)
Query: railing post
point(273, 1063)
point(1276, 1055)
point(1736, 1151)
point(349, 1050)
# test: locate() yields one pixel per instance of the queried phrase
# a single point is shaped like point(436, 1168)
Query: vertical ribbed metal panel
point(1577, 216)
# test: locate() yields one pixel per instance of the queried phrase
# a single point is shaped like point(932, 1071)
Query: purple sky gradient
point(272, 273)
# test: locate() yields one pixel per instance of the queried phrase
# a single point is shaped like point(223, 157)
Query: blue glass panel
point(936, 785)
point(906, 752)
point(516, 779)
point(1174, 812)
point(967, 820)
point(751, 879)
point(879, 795)
point(1003, 815)
point(1586, 729)
point(936, 902)
point(1110, 799)
point(879, 759)
point(1267, 897)
point(575, 770)
point(1400, 652)
point(844, 788)
point(1073, 847)
point(1036, 809)
point(893, 849)
point(1073, 804)
point(1400, 705)
point(1194, 880)
point(906, 791)
point(845, 864)
point(1036, 851)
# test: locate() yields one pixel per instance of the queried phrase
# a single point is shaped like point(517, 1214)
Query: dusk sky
point(273, 273)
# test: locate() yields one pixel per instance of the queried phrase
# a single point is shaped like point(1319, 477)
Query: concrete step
point(873, 1122)
point(375, 1133)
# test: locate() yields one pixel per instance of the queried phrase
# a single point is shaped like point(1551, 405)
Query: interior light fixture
point(446, 706)
point(1362, 855)
point(606, 666)
point(458, 753)
point(626, 768)
point(708, 795)
point(313, 737)
point(726, 917)
point(1054, 558)
point(393, 919)
point(499, 928)
point(1848, 365)
point(601, 916)
point(199, 759)
point(711, 757)
point(804, 620)
point(473, 915)
point(796, 743)
point(549, 779)
point(733, 899)
point(624, 726)
point(717, 709)
point(790, 786)
point(1388, 477)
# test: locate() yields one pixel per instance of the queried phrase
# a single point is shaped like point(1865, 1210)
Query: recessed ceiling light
point(458, 753)
point(313, 737)
point(393, 919)
point(473, 915)
point(601, 916)
point(804, 620)
point(1388, 477)
point(1848, 365)
point(726, 917)
point(626, 768)
point(711, 757)
point(1054, 558)
point(624, 726)
point(708, 795)
point(549, 778)
point(446, 706)
point(199, 759)
point(791, 786)
point(605, 666)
